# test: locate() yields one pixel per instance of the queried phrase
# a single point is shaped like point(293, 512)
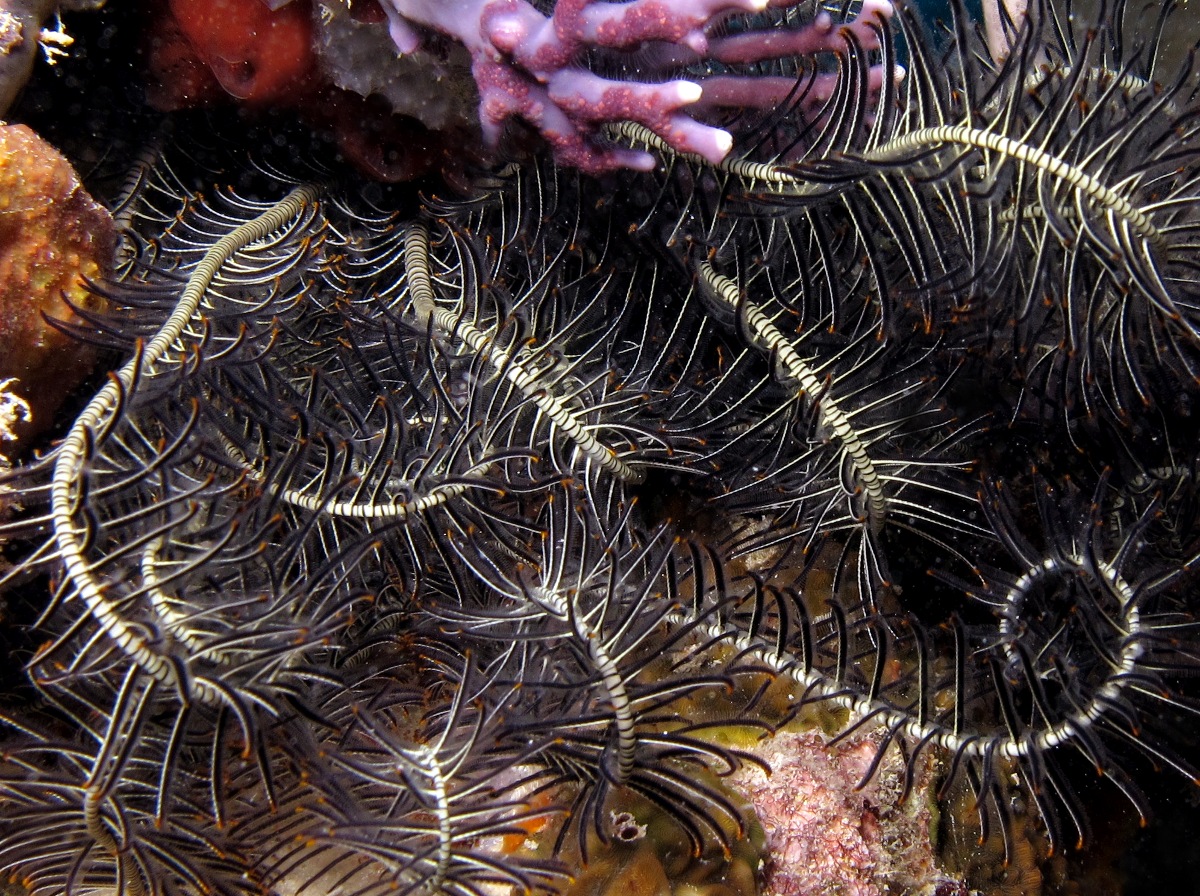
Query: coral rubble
point(826, 834)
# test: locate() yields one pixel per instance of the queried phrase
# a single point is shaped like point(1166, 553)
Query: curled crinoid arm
point(113, 472)
point(528, 65)
point(1081, 658)
point(1082, 661)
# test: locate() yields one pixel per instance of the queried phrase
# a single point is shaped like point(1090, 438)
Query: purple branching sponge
point(528, 65)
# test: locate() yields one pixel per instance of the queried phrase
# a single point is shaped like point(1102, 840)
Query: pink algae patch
point(826, 837)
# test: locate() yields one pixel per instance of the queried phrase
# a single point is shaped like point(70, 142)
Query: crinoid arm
point(580, 622)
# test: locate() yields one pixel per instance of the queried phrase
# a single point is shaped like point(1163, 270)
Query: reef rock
point(826, 835)
point(53, 238)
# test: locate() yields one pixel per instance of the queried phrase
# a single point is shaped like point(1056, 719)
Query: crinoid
point(419, 538)
point(342, 425)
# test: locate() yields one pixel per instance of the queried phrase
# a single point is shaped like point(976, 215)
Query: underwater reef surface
point(54, 238)
point(492, 533)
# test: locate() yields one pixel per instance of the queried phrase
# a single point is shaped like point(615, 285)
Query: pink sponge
point(528, 65)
